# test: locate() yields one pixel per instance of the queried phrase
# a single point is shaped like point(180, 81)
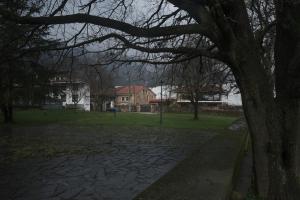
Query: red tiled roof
point(133, 89)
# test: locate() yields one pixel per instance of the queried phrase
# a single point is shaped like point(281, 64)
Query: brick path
point(131, 163)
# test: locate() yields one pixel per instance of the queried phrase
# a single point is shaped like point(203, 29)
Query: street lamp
point(161, 103)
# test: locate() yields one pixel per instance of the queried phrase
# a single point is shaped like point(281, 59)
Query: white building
point(231, 98)
point(75, 94)
point(168, 92)
point(79, 95)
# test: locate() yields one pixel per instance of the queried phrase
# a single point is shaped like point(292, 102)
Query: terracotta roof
point(133, 89)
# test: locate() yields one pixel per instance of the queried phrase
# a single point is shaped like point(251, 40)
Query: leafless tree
point(197, 78)
point(240, 33)
point(101, 86)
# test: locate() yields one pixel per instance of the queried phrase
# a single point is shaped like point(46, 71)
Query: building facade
point(133, 98)
point(174, 98)
point(73, 94)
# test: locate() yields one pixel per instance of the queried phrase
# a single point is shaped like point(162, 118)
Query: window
point(207, 97)
point(75, 87)
point(63, 97)
point(75, 98)
point(63, 87)
point(125, 99)
point(217, 97)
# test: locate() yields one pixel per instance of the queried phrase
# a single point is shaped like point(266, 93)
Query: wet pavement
point(122, 165)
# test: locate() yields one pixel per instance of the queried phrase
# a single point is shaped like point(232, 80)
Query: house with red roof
point(133, 97)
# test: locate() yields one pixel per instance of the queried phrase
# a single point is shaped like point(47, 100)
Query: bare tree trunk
point(274, 145)
point(10, 112)
point(7, 105)
point(287, 74)
point(272, 120)
point(298, 145)
point(195, 105)
point(7, 111)
point(255, 117)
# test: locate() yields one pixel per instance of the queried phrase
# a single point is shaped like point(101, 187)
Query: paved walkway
point(128, 165)
point(205, 175)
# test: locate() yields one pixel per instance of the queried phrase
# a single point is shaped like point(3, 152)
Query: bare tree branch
point(128, 44)
point(114, 24)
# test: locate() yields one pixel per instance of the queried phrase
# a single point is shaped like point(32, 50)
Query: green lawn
point(77, 132)
point(170, 120)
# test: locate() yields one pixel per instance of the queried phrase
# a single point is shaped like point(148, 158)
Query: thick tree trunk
point(273, 129)
point(7, 112)
point(7, 95)
point(298, 145)
point(256, 116)
point(287, 74)
point(273, 169)
point(272, 120)
point(195, 105)
point(10, 113)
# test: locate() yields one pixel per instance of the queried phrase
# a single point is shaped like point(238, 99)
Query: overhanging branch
point(128, 44)
point(114, 24)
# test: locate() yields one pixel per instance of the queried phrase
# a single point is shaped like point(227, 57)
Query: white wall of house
point(233, 98)
point(107, 105)
point(167, 92)
point(83, 94)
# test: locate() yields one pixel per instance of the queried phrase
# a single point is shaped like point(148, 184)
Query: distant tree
point(87, 71)
point(199, 78)
point(32, 84)
point(101, 86)
point(23, 79)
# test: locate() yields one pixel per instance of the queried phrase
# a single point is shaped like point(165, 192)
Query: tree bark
point(7, 112)
point(10, 113)
point(273, 128)
point(273, 121)
point(256, 116)
point(7, 95)
point(195, 105)
point(287, 74)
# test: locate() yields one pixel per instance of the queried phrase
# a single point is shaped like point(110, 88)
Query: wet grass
point(46, 141)
point(38, 133)
point(207, 121)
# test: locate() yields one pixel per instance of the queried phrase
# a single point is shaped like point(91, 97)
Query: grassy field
point(170, 120)
point(55, 132)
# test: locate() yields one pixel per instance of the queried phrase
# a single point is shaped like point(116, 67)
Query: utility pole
point(161, 103)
